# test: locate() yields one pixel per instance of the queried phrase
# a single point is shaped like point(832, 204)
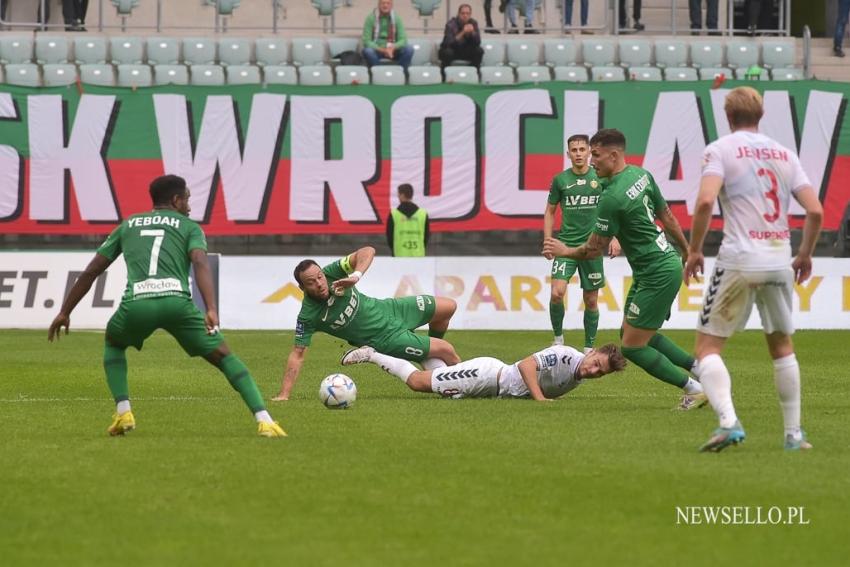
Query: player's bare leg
point(443, 350)
point(437, 328)
point(417, 380)
point(591, 317)
point(556, 310)
point(786, 374)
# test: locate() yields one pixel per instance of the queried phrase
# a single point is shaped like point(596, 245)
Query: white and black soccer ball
point(337, 391)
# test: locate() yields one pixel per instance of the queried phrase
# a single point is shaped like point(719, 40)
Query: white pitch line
point(153, 399)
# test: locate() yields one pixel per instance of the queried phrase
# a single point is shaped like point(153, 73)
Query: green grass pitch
point(405, 478)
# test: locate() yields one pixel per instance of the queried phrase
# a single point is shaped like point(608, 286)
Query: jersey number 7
point(158, 236)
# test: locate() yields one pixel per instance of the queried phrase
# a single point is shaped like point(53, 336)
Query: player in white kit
point(754, 178)
point(543, 376)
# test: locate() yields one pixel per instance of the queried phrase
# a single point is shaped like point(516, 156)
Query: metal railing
point(807, 52)
point(783, 27)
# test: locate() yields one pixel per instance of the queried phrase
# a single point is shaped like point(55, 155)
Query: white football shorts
point(474, 378)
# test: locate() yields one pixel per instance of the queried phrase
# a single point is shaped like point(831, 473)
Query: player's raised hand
point(212, 322)
point(694, 267)
point(802, 266)
point(339, 286)
point(60, 321)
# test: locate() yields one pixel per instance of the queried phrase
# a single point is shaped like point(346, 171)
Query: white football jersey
point(557, 368)
point(759, 176)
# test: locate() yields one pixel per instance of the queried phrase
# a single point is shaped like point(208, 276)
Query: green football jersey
point(156, 248)
point(578, 196)
point(627, 210)
point(352, 316)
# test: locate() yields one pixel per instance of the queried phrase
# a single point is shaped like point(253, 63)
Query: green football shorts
point(136, 320)
point(404, 315)
point(650, 297)
point(590, 272)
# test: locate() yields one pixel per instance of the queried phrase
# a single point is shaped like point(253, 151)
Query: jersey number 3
point(158, 236)
point(772, 194)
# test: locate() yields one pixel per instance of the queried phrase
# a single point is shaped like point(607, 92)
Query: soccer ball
point(337, 391)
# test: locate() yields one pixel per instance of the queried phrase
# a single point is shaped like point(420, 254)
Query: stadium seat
point(51, 49)
point(742, 53)
point(15, 49)
point(787, 74)
point(127, 50)
point(742, 74)
point(207, 75)
point(707, 54)
point(326, 9)
point(497, 75)
point(423, 51)
point(681, 74)
point(163, 51)
point(280, 75)
point(337, 45)
point(533, 74)
point(462, 75)
point(710, 73)
point(308, 51)
point(59, 74)
point(90, 49)
point(645, 74)
point(234, 51)
point(426, 9)
point(606, 73)
point(671, 53)
point(170, 75)
point(779, 53)
point(102, 75)
point(23, 74)
point(243, 75)
point(199, 51)
point(125, 7)
point(635, 53)
point(271, 51)
point(388, 75)
point(571, 73)
point(560, 52)
point(598, 52)
point(315, 75)
point(352, 75)
point(134, 76)
point(494, 52)
point(424, 75)
point(224, 7)
point(523, 53)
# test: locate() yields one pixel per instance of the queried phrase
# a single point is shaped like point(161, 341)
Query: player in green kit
point(577, 190)
point(158, 248)
point(629, 206)
point(332, 304)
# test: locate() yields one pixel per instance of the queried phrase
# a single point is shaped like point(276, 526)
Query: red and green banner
point(286, 160)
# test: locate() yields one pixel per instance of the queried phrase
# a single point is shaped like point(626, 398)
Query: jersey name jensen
point(636, 189)
point(157, 219)
point(761, 153)
point(579, 200)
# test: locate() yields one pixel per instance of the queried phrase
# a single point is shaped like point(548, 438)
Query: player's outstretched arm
point(528, 371)
point(293, 368)
point(203, 277)
point(811, 229)
point(79, 290)
point(548, 223)
point(709, 189)
point(355, 264)
point(595, 247)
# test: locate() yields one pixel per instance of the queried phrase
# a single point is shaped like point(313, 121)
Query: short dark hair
point(462, 6)
point(578, 138)
point(406, 190)
point(302, 267)
point(609, 137)
point(163, 188)
point(616, 360)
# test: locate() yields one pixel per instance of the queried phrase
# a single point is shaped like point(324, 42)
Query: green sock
point(240, 378)
point(436, 334)
point(656, 364)
point(556, 315)
point(672, 351)
point(115, 365)
point(591, 324)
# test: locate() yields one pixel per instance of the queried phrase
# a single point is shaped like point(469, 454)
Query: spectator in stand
point(462, 39)
point(568, 13)
point(384, 36)
point(512, 7)
point(711, 7)
point(488, 7)
point(74, 13)
point(635, 14)
point(840, 26)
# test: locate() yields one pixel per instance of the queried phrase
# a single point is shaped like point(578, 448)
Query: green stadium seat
point(607, 74)
point(598, 52)
point(337, 45)
point(502, 75)
point(426, 7)
point(102, 75)
point(199, 51)
point(308, 51)
point(533, 74)
point(494, 52)
point(206, 75)
point(560, 52)
point(741, 53)
point(707, 54)
point(271, 51)
point(135, 76)
point(571, 73)
point(671, 53)
point(280, 75)
point(15, 49)
point(742, 74)
point(352, 74)
point(680, 74)
point(645, 74)
point(315, 75)
point(90, 49)
point(51, 49)
point(125, 7)
point(23, 75)
point(523, 53)
point(224, 7)
point(243, 75)
point(388, 75)
point(59, 74)
point(170, 75)
point(779, 53)
point(462, 75)
point(785, 74)
point(127, 50)
point(635, 53)
point(234, 51)
point(423, 51)
point(163, 51)
point(711, 73)
point(424, 75)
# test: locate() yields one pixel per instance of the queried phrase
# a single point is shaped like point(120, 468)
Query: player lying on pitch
point(543, 376)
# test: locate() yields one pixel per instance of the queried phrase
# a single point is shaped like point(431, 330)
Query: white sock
point(122, 407)
point(696, 369)
point(558, 340)
point(399, 368)
point(263, 416)
point(433, 363)
point(718, 387)
point(786, 374)
point(692, 387)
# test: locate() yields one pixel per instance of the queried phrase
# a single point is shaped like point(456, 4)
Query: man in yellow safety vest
point(407, 225)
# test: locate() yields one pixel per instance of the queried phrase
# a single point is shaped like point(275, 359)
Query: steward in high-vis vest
point(407, 226)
